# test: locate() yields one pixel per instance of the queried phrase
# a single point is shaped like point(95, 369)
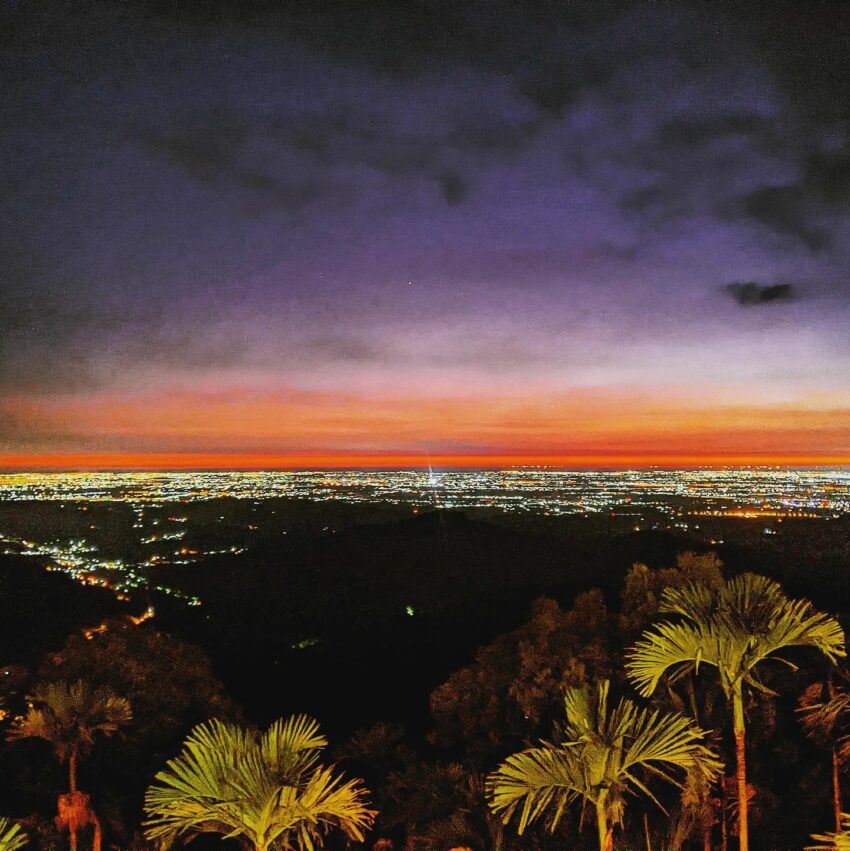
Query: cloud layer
point(440, 202)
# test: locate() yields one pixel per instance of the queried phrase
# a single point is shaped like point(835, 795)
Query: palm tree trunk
point(606, 834)
point(98, 832)
point(741, 767)
point(72, 771)
point(836, 785)
point(692, 696)
point(496, 832)
point(72, 783)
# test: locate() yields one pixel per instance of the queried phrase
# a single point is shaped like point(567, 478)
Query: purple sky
point(647, 203)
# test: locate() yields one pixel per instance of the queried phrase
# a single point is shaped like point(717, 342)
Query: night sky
point(433, 230)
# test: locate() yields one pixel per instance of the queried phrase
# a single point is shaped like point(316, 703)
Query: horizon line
point(258, 462)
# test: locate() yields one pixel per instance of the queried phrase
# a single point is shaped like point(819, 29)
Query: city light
point(654, 498)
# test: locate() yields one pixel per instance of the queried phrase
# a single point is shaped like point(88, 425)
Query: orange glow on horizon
point(162, 461)
point(236, 428)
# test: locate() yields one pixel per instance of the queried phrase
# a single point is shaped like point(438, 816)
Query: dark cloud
point(44, 332)
point(551, 90)
point(679, 161)
point(211, 147)
point(786, 211)
point(31, 433)
point(522, 39)
point(749, 294)
point(208, 146)
point(824, 188)
point(828, 176)
point(644, 199)
point(688, 132)
point(358, 137)
point(454, 187)
point(70, 340)
point(805, 46)
point(406, 38)
point(220, 148)
point(490, 135)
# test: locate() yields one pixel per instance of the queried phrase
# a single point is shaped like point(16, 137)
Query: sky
point(237, 234)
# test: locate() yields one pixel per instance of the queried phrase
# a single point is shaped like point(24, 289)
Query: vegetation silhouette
point(507, 614)
point(824, 710)
point(71, 716)
point(733, 629)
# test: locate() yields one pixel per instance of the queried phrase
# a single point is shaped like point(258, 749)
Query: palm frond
point(265, 787)
point(601, 763)
point(821, 712)
point(293, 743)
point(583, 707)
point(668, 739)
point(753, 597)
point(733, 628)
point(534, 780)
point(70, 715)
point(833, 841)
point(796, 624)
point(693, 601)
point(667, 646)
point(324, 803)
point(11, 835)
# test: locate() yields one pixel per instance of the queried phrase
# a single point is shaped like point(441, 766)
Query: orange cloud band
point(236, 461)
point(241, 428)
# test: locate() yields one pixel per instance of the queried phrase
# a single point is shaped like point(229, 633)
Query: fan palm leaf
point(599, 761)
point(71, 715)
point(11, 836)
point(265, 787)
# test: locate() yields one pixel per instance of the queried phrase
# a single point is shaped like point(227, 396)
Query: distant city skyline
point(235, 462)
point(284, 235)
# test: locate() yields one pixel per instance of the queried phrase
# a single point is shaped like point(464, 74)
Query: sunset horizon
point(241, 232)
point(271, 462)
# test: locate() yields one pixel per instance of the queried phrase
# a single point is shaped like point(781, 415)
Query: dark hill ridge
point(433, 561)
point(387, 611)
point(41, 608)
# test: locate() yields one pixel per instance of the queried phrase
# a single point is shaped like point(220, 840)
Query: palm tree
point(266, 787)
point(734, 629)
point(697, 812)
point(823, 709)
point(71, 717)
point(599, 761)
point(11, 836)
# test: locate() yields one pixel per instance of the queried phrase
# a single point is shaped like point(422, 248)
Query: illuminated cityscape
point(161, 529)
point(735, 490)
